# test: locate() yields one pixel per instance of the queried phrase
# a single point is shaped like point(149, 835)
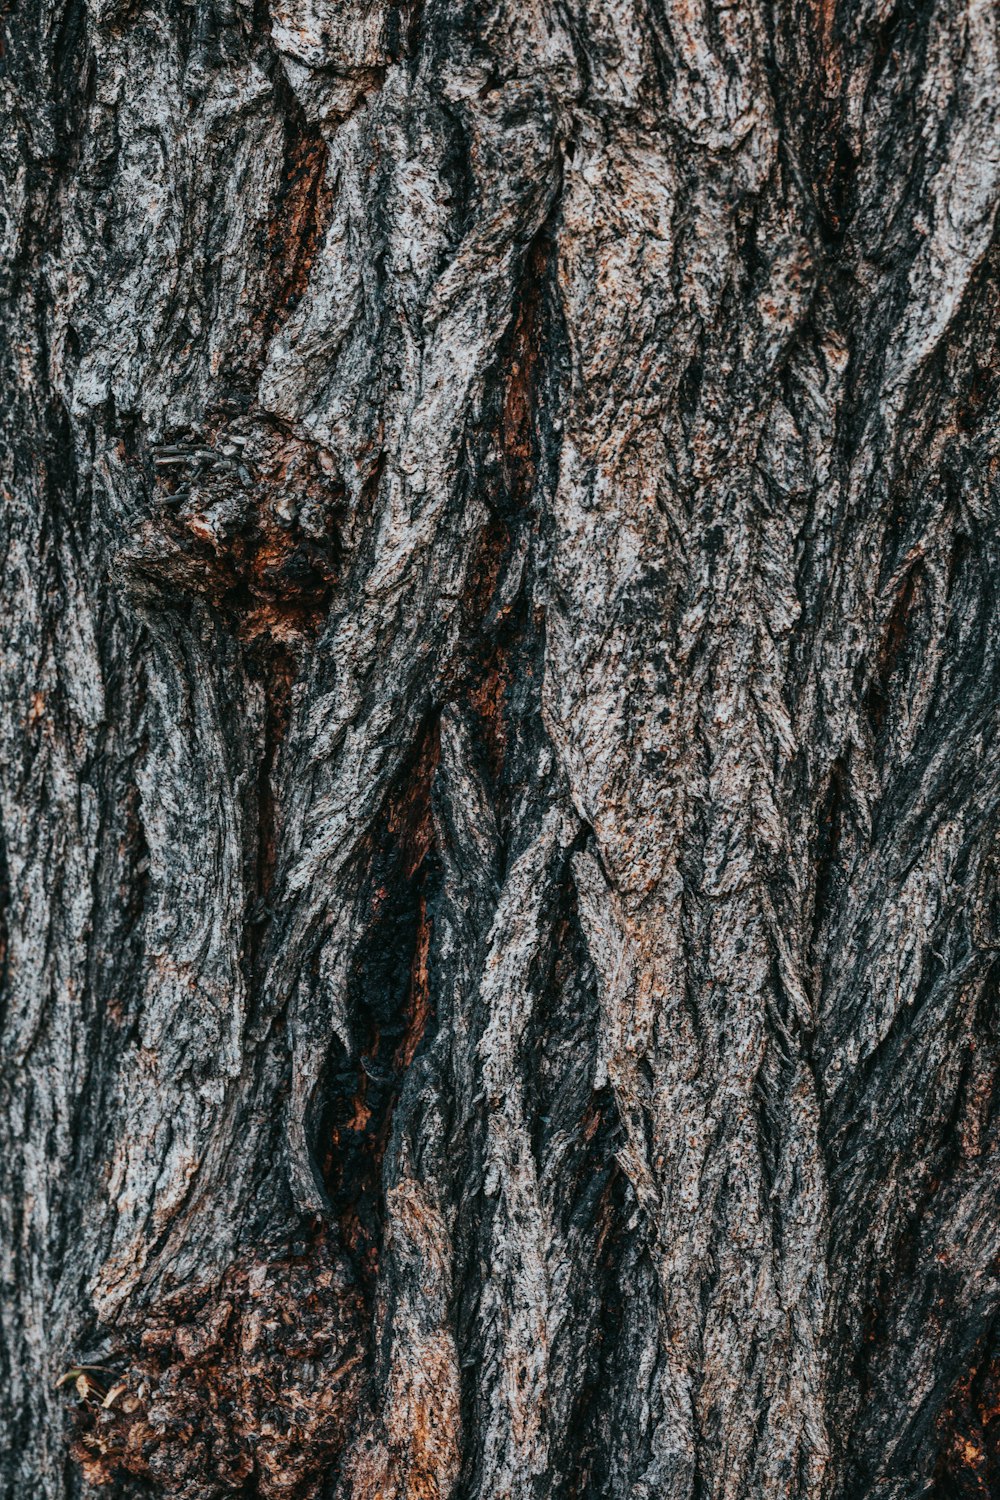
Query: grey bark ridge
point(500, 763)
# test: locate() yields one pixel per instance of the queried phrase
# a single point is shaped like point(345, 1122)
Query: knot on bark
point(247, 520)
point(250, 1384)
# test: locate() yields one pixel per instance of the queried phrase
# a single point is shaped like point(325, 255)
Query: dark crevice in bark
point(903, 649)
point(858, 227)
point(498, 682)
point(503, 626)
point(120, 888)
point(849, 1125)
point(69, 498)
point(890, 39)
point(575, 1132)
point(275, 667)
point(949, 1435)
point(830, 827)
point(588, 1461)
point(457, 170)
point(72, 79)
point(390, 998)
point(299, 218)
point(562, 1043)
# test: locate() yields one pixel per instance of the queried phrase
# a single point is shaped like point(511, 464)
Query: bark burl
point(500, 760)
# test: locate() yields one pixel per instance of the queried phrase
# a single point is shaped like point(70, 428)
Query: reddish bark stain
point(969, 1463)
point(493, 668)
point(419, 1003)
point(301, 212)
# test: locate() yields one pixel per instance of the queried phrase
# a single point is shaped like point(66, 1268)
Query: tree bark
point(500, 777)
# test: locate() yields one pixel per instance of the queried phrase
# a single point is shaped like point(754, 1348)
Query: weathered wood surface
point(500, 776)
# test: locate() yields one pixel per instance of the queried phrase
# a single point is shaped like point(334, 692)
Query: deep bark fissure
point(390, 997)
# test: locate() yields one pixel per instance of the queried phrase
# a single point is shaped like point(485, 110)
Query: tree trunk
point(501, 766)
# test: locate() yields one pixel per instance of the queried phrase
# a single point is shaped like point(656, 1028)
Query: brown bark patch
point(969, 1463)
point(249, 1385)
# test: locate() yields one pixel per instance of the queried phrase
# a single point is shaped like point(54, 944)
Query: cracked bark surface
point(500, 776)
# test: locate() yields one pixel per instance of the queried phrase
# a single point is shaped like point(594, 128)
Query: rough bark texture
point(500, 775)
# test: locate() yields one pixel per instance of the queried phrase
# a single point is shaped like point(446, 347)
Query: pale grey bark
point(500, 790)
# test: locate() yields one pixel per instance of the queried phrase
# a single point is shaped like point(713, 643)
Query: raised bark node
point(248, 521)
point(250, 1385)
